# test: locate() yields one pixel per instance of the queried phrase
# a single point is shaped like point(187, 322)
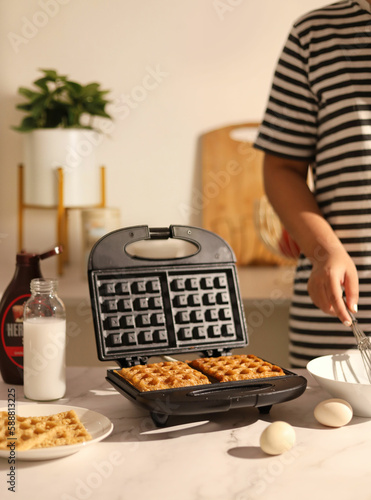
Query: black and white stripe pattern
point(319, 111)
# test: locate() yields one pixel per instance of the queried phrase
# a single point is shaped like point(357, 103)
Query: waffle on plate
point(42, 432)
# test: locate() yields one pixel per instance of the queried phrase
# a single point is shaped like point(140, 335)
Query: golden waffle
point(41, 432)
point(164, 375)
point(237, 367)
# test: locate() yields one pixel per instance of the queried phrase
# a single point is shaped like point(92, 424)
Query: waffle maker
point(149, 307)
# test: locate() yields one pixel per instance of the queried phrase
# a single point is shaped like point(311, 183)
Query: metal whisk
point(363, 344)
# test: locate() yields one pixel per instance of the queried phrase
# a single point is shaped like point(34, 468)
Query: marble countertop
point(208, 457)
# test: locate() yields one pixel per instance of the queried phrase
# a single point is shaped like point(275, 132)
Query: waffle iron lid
point(144, 307)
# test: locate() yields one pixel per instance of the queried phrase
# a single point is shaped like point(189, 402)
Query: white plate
point(96, 424)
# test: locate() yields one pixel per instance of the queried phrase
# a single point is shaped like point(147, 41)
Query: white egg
point(277, 438)
point(333, 412)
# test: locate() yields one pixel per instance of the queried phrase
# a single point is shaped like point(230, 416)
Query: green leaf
point(27, 124)
point(74, 87)
point(95, 109)
point(73, 116)
point(104, 92)
point(91, 89)
point(42, 83)
point(30, 94)
point(38, 107)
point(24, 107)
point(51, 74)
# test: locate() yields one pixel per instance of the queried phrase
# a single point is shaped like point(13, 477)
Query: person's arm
point(333, 269)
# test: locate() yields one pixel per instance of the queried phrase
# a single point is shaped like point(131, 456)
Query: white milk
point(44, 350)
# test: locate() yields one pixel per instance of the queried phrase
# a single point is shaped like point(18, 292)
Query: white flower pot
point(72, 149)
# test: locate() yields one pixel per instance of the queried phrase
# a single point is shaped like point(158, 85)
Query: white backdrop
point(176, 69)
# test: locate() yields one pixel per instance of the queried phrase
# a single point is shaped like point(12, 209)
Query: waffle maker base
point(212, 398)
point(149, 307)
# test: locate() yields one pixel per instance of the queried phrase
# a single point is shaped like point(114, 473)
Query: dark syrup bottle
point(11, 314)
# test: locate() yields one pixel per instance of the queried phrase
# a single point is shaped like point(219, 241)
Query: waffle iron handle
point(110, 251)
point(212, 248)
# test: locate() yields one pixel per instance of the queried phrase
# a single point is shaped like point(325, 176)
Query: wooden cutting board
point(232, 180)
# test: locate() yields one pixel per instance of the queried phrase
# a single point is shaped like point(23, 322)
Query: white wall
point(214, 61)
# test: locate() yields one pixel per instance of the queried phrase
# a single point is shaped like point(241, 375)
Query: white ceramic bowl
point(344, 376)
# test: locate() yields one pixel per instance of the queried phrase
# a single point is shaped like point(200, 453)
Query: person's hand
point(332, 276)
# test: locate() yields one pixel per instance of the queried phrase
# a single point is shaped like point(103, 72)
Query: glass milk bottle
point(44, 342)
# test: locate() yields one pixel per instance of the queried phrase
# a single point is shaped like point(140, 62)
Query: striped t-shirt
point(319, 111)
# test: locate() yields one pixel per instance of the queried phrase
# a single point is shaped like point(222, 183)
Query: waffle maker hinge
point(133, 361)
point(214, 353)
point(159, 233)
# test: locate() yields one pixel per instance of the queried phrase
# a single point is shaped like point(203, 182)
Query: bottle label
point(12, 330)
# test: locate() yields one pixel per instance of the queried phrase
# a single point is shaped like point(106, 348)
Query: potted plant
point(60, 131)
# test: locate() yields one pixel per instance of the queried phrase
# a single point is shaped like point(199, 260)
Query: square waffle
point(41, 432)
point(237, 367)
point(163, 375)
